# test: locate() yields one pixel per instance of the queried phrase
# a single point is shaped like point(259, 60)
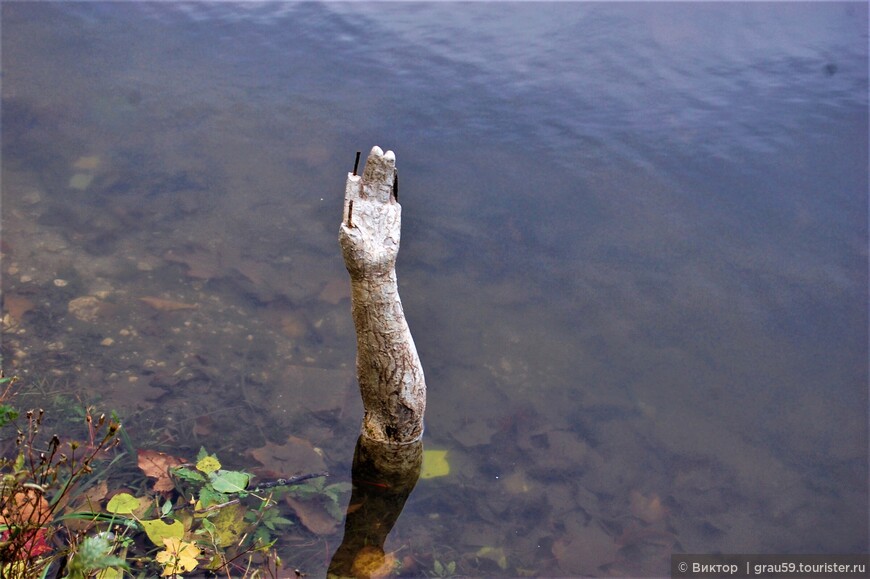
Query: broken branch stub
point(388, 368)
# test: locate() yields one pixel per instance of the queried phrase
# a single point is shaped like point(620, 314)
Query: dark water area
point(634, 257)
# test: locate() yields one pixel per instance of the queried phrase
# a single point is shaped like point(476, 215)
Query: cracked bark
point(390, 376)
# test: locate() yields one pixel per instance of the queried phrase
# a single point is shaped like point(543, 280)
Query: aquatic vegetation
point(440, 569)
point(39, 482)
point(195, 515)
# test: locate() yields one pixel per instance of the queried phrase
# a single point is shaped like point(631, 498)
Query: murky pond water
point(634, 258)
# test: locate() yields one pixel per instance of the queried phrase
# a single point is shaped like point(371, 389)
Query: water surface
point(634, 256)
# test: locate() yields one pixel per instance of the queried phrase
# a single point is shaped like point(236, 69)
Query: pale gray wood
point(388, 368)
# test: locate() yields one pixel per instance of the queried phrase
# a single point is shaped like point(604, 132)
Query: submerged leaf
point(87, 163)
point(649, 509)
point(434, 464)
point(314, 516)
point(294, 456)
point(229, 525)
point(208, 497)
point(229, 481)
point(178, 557)
point(157, 530)
point(208, 464)
point(122, 504)
point(188, 475)
point(156, 465)
point(93, 553)
point(495, 554)
point(80, 181)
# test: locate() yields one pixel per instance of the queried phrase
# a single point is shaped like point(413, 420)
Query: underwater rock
point(86, 308)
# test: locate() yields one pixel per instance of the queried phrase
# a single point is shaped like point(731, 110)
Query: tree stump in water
point(388, 368)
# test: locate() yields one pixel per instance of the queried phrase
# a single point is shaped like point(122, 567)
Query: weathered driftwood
point(388, 368)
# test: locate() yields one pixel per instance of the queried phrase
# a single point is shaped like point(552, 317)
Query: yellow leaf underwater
point(229, 525)
point(157, 530)
point(122, 504)
point(80, 181)
point(495, 554)
point(178, 557)
point(434, 464)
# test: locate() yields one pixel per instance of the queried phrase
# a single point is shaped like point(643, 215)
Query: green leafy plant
point(95, 553)
point(329, 494)
point(38, 481)
point(440, 569)
point(197, 516)
point(7, 412)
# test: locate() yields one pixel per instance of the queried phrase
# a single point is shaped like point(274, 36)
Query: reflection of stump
point(389, 371)
point(383, 477)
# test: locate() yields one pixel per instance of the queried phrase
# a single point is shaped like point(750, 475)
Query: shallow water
point(634, 257)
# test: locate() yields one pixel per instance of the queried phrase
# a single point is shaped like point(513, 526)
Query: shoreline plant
point(58, 518)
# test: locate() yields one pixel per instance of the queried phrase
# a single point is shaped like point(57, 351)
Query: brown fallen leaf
point(17, 306)
point(91, 498)
point(254, 272)
point(25, 507)
point(583, 551)
point(293, 326)
point(163, 305)
point(293, 457)
point(156, 465)
point(88, 501)
point(648, 509)
point(335, 290)
point(313, 516)
point(200, 263)
point(203, 425)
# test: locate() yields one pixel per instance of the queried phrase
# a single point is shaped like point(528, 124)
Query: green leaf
point(201, 454)
point(310, 488)
point(93, 553)
point(334, 510)
point(188, 475)
point(157, 530)
point(282, 521)
point(208, 526)
point(110, 573)
point(208, 497)
point(122, 504)
point(262, 535)
point(334, 490)
point(7, 414)
point(229, 481)
point(166, 508)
